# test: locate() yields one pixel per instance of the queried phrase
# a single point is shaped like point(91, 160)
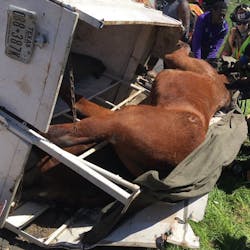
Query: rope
point(72, 90)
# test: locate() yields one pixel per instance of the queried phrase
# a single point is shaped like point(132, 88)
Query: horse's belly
point(163, 142)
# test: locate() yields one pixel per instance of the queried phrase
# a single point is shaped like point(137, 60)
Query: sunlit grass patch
point(227, 221)
point(245, 106)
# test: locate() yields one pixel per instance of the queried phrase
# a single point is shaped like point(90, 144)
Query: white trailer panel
point(13, 154)
point(110, 12)
point(30, 90)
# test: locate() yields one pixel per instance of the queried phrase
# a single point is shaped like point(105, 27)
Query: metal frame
point(102, 178)
point(106, 180)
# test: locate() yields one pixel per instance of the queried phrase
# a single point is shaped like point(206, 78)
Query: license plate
point(20, 34)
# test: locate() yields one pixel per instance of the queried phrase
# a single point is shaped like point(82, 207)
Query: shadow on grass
point(245, 150)
point(234, 176)
point(230, 243)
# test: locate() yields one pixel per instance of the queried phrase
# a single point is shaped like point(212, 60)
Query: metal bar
point(68, 224)
point(120, 80)
point(70, 116)
point(68, 159)
point(130, 98)
point(104, 90)
point(113, 177)
point(115, 107)
point(58, 231)
point(63, 112)
point(25, 214)
point(139, 87)
point(116, 78)
point(125, 82)
point(104, 101)
point(93, 149)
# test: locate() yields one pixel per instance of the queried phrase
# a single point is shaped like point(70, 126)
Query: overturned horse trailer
point(36, 40)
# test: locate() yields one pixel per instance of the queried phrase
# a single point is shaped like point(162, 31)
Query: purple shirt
point(208, 38)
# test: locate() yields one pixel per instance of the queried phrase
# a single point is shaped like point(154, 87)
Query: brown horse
point(157, 136)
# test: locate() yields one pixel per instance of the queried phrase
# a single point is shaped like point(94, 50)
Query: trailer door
point(35, 38)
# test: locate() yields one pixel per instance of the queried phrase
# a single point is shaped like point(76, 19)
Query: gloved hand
point(244, 60)
point(242, 63)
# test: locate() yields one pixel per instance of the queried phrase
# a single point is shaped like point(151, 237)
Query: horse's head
point(172, 60)
point(183, 47)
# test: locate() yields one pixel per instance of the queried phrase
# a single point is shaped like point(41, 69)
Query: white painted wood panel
point(26, 213)
point(116, 46)
point(150, 223)
point(30, 90)
point(13, 154)
point(109, 12)
point(141, 229)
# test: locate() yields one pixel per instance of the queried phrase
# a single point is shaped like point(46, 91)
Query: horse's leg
point(88, 108)
point(48, 162)
point(130, 164)
point(88, 130)
point(66, 135)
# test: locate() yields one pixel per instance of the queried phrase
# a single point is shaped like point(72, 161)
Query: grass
point(245, 106)
point(227, 221)
point(232, 5)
